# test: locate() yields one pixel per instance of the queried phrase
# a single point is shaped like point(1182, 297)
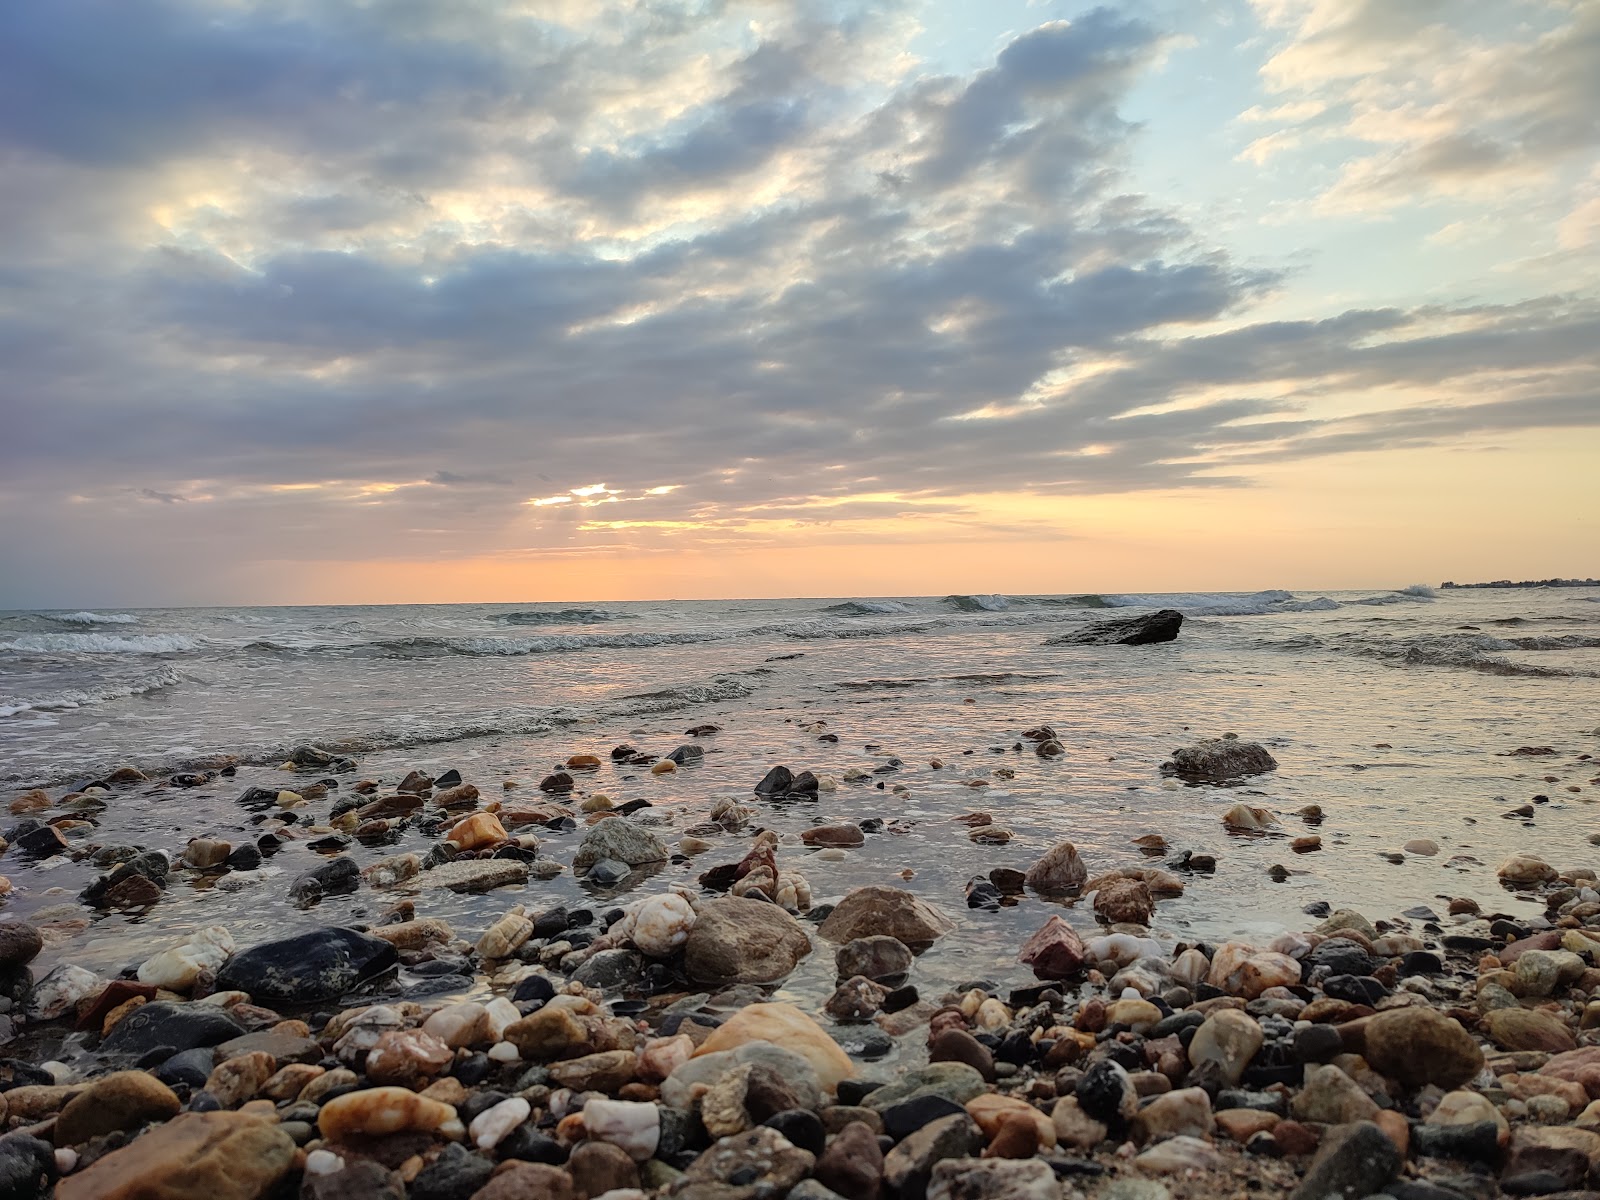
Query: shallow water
point(1391, 716)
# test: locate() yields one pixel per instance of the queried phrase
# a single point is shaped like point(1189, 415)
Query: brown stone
point(1241, 1124)
point(1124, 902)
point(238, 1079)
point(195, 1156)
point(1294, 1139)
point(737, 940)
point(852, 1164)
point(1529, 1029)
point(1017, 1137)
point(114, 995)
point(136, 891)
point(600, 1167)
point(515, 1180)
point(887, 911)
point(123, 1100)
point(1419, 1046)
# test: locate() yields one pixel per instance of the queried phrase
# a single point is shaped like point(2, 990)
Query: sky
point(329, 301)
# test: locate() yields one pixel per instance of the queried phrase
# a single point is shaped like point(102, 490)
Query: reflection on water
point(1390, 751)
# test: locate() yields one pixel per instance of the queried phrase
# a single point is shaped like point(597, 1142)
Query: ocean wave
point(563, 616)
point(978, 603)
point(92, 618)
point(1419, 591)
point(1086, 600)
point(867, 608)
point(1410, 595)
point(1473, 653)
point(71, 698)
point(1207, 604)
point(717, 690)
point(100, 643)
point(1320, 604)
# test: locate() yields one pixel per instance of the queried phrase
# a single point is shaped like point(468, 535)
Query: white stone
point(660, 925)
point(501, 1013)
point(60, 991)
point(323, 1162)
point(1179, 1154)
point(66, 1159)
point(504, 1052)
point(177, 968)
point(458, 1025)
point(490, 1126)
point(1121, 948)
point(635, 1128)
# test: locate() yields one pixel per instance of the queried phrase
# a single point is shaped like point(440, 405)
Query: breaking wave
point(978, 603)
point(92, 618)
point(715, 691)
point(563, 616)
point(867, 608)
point(72, 698)
point(422, 647)
point(100, 643)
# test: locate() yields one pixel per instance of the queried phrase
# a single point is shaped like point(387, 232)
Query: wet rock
point(20, 944)
point(1225, 1043)
point(993, 1179)
point(472, 876)
point(606, 1071)
point(308, 968)
point(877, 910)
point(1242, 970)
point(786, 1026)
point(1055, 951)
point(1179, 1155)
point(621, 841)
point(336, 877)
point(407, 1058)
point(238, 1079)
point(178, 968)
point(611, 970)
point(135, 891)
point(1146, 630)
point(1478, 1141)
point(61, 991)
point(1124, 902)
point(176, 1026)
point(845, 836)
point(1059, 872)
point(736, 940)
point(28, 1167)
point(1353, 1160)
point(479, 831)
point(855, 999)
point(195, 1156)
point(122, 1100)
point(879, 958)
point(526, 1180)
point(953, 1081)
point(1419, 1046)
point(1217, 759)
point(908, 1168)
point(957, 1045)
point(1525, 869)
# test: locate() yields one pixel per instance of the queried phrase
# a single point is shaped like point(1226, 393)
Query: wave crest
point(867, 608)
point(64, 701)
point(563, 616)
point(978, 603)
point(100, 643)
point(92, 618)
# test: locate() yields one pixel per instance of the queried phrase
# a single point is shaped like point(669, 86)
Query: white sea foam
point(99, 643)
point(72, 698)
point(93, 618)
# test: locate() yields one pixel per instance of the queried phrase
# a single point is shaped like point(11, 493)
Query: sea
point(1402, 714)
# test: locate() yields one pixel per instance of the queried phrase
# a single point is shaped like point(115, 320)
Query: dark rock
point(188, 1067)
point(901, 1120)
point(20, 944)
point(43, 842)
point(244, 858)
point(559, 782)
point(1354, 989)
point(607, 871)
point(307, 968)
point(454, 1175)
point(1478, 1142)
point(1219, 759)
point(684, 755)
point(359, 1179)
point(534, 989)
point(851, 1091)
point(878, 957)
point(611, 970)
point(1317, 1044)
point(180, 1026)
point(1341, 957)
point(1147, 630)
point(1353, 1160)
point(852, 1165)
point(775, 782)
point(528, 1143)
point(335, 877)
point(27, 1167)
point(957, 1045)
point(1106, 1093)
point(801, 1126)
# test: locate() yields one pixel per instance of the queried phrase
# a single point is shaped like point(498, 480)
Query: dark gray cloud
point(311, 283)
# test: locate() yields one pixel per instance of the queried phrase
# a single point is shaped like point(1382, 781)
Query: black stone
point(1104, 1090)
point(307, 968)
point(1147, 630)
point(450, 779)
point(548, 924)
point(684, 755)
point(901, 1120)
point(607, 871)
point(1421, 962)
point(473, 1069)
point(534, 988)
point(180, 1026)
point(1273, 1102)
point(1317, 1043)
point(854, 1091)
point(1478, 1142)
point(527, 1143)
point(27, 1167)
point(455, 1175)
point(775, 782)
point(1353, 1160)
point(1533, 1183)
point(801, 1126)
point(244, 858)
point(330, 843)
point(202, 1102)
point(1341, 958)
point(478, 1103)
point(335, 877)
point(1354, 989)
point(189, 1067)
point(1177, 1022)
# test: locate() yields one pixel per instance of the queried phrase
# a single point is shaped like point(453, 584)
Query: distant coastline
point(1527, 583)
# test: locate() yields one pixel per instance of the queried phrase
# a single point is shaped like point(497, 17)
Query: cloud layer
point(330, 281)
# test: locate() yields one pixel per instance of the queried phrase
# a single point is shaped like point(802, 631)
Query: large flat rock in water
point(1147, 630)
point(478, 875)
point(1217, 759)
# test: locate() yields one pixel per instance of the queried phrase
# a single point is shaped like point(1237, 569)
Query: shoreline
point(628, 1042)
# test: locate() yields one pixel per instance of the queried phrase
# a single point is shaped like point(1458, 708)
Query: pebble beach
point(1122, 897)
